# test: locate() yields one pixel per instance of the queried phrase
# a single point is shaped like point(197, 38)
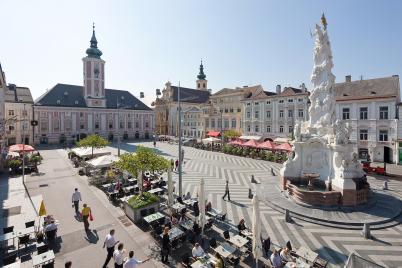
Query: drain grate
point(43, 185)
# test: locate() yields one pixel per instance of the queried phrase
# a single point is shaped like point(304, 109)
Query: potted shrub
point(14, 165)
point(141, 205)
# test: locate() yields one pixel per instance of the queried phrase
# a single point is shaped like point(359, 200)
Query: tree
point(93, 141)
point(231, 134)
point(144, 159)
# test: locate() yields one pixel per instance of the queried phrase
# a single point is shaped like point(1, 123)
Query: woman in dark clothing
point(165, 245)
point(267, 245)
point(241, 226)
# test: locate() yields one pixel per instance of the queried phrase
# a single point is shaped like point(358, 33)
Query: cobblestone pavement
point(332, 244)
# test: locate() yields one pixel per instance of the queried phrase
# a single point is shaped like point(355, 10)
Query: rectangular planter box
point(137, 214)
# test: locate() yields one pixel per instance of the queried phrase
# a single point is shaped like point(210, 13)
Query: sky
point(147, 43)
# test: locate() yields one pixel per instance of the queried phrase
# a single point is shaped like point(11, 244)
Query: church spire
point(201, 75)
point(93, 51)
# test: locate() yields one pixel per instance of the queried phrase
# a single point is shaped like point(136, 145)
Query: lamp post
point(180, 154)
point(23, 146)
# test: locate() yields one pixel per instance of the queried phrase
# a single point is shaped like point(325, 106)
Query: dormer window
point(76, 102)
point(345, 95)
point(58, 101)
point(373, 92)
point(65, 93)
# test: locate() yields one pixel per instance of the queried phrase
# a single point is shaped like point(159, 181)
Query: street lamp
point(221, 110)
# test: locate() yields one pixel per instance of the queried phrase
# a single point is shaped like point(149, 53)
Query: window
point(290, 129)
point(82, 126)
point(129, 125)
point(81, 114)
point(96, 125)
point(146, 125)
point(56, 125)
point(290, 113)
point(206, 122)
point(363, 134)
point(219, 123)
point(248, 104)
point(11, 128)
point(248, 128)
point(67, 125)
point(212, 123)
point(268, 102)
point(363, 113)
point(383, 135)
point(137, 125)
point(300, 100)
point(248, 115)
point(269, 114)
point(238, 110)
point(257, 128)
point(110, 126)
point(280, 101)
point(384, 112)
point(345, 113)
point(268, 128)
point(11, 112)
point(44, 125)
point(257, 114)
point(301, 113)
point(231, 110)
point(226, 110)
point(233, 123)
point(24, 112)
point(280, 129)
point(290, 100)
point(256, 103)
point(281, 113)
point(121, 124)
point(226, 123)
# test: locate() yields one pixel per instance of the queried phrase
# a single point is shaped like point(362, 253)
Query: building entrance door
point(387, 154)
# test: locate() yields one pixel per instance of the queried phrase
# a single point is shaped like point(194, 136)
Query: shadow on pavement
point(92, 237)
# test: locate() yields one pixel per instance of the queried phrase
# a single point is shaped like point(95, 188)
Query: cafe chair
point(48, 265)
point(234, 261)
point(42, 249)
point(10, 258)
point(223, 217)
point(212, 243)
point(23, 240)
point(29, 224)
point(7, 230)
point(226, 234)
point(185, 260)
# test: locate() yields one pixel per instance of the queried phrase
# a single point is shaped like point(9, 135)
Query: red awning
point(250, 143)
point(20, 148)
point(214, 134)
point(284, 147)
point(269, 145)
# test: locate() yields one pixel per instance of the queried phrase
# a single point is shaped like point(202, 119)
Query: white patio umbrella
point(210, 140)
point(170, 187)
point(201, 204)
point(257, 247)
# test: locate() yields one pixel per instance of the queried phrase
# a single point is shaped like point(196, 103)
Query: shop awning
point(21, 148)
point(250, 137)
point(214, 134)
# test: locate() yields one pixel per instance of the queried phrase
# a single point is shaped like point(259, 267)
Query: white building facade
point(68, 113)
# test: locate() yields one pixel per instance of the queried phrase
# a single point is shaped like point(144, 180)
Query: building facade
point(370, 108)
point(272, 115)
point(18, 115)
point(192, 123)
point(167, 106)
point(68, 113)
point(3, 87)
point(224, 110)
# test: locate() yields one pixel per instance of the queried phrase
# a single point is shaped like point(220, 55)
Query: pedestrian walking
point(176, 164)
point(109, 243)
point(165, 245)
point(75, 199)
point(172, 163)
point(132, 262)
point(154, 143)
point(86, 211)
point(118, 256)
point(227, 193)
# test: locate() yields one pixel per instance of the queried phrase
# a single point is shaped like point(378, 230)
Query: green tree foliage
point(93, 141)
point(231, 134)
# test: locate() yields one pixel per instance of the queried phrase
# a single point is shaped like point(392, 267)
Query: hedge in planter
point(139, 201)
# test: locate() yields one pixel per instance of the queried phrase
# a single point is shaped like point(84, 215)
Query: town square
point(215, 153)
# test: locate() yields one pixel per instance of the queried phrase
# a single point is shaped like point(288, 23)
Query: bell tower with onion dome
point(94, 75)
point(201, 79)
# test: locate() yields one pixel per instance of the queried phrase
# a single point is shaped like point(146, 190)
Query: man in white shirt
point(197, 251)
point(131, 262)
point(76, 198)
point(118, 256)
point(110, 242)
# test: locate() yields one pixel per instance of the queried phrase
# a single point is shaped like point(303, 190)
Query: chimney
point(278, 89)
point(348, 78)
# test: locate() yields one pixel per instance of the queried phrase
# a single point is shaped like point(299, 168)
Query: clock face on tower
point(96, 73)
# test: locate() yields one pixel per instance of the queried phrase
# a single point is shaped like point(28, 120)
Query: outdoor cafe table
point(154, 217)
point(25, 231)
point(107, 186)
point(298, 264)
point(129, 188)
point(43, 258)
point(307, 254)
point(188, 224)
point(178, 207)
point(247, 233)
point(225, 250)
point(155, 191)
point(189, 202)
point(215, 213)
point(204, 261)
point(174, 234)
point(238, 241)
point(16, 264)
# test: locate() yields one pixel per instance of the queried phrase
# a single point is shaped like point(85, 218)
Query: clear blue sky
point(146, 43)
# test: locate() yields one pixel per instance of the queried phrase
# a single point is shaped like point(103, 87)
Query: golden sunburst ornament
point(324, 21)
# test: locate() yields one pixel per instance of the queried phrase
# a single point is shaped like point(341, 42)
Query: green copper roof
point(201, 75)
point(93, 51)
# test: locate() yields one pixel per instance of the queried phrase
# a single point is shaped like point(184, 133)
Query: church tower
point(201, 81)
point(94, 75)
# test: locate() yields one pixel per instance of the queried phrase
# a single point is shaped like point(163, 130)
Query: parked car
point(189, 142)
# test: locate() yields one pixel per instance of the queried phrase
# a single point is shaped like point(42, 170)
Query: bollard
point(385, 186)
point(250, 194)
point(366, 231)
point(287, 215)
